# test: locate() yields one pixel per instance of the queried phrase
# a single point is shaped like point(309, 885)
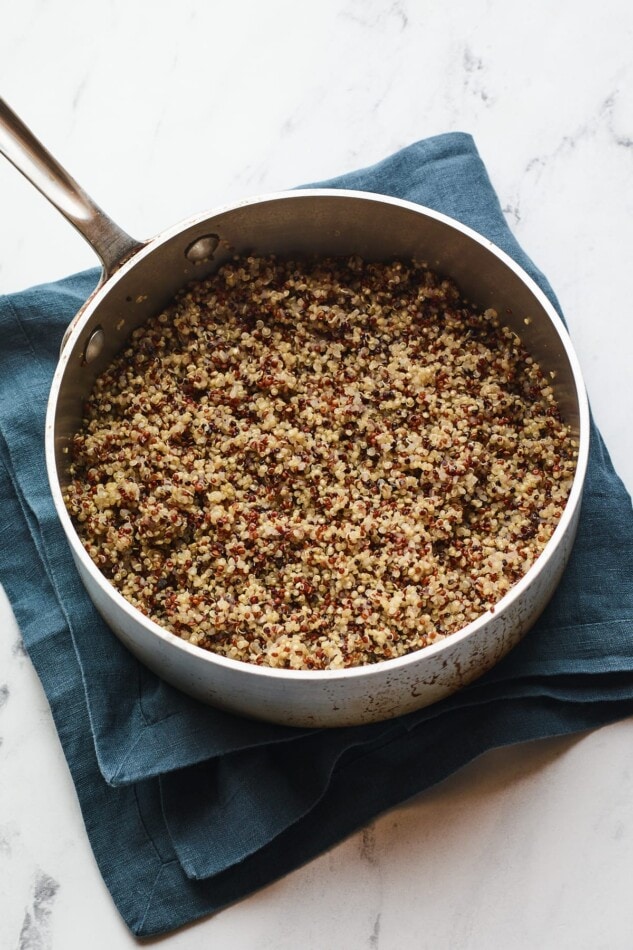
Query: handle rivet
point(94, 345)
point(202, 248)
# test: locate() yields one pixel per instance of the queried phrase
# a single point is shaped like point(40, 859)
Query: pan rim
point(172, 641)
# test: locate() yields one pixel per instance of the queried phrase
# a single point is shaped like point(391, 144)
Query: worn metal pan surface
point(140, 278)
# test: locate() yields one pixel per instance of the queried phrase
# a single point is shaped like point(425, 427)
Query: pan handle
point(107, 239)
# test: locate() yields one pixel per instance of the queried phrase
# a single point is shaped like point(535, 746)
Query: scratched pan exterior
point(333, 223)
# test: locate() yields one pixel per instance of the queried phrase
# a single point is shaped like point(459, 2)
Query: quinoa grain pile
point(319, 465)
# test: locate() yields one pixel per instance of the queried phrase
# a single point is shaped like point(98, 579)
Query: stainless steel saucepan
point(140, 278)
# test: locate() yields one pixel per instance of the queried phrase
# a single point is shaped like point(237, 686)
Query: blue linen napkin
point(189, 808)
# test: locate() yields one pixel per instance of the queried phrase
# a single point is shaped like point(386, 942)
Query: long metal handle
point(19, 145)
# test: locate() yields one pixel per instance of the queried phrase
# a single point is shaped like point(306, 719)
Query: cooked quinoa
point(319, 465)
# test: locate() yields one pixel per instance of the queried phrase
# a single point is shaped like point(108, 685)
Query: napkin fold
point(189, 808)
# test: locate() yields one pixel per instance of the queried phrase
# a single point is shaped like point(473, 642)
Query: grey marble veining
point(36, 928)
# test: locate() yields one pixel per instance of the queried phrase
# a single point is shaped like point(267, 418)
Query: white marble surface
point(166, 109)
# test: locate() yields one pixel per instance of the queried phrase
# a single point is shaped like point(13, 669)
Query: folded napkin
point(189, 808)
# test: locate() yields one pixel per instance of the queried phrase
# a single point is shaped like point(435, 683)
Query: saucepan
point(141, 277)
